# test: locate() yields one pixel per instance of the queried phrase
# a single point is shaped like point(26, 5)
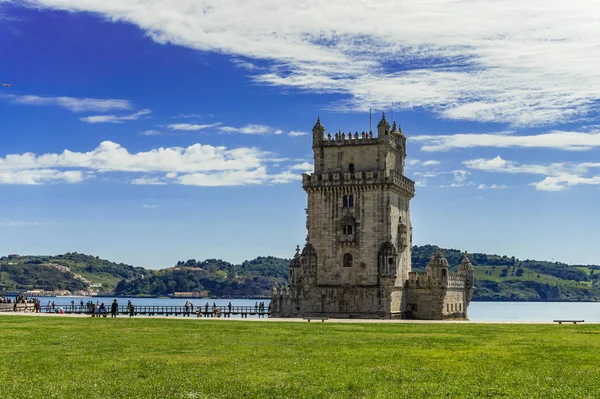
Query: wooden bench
point(316, 318)
point(569, 321)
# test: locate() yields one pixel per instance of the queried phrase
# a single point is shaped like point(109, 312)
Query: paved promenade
point(290, 320)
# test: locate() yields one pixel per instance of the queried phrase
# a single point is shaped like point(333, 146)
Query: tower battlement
point(358, 178)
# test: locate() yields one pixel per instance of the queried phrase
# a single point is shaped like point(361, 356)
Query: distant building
point(194, 294)
point(356, 262)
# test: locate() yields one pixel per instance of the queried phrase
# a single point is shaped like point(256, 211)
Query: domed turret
point(466, 264)
point(383, 127)
point(318, 131)
point(438, 267)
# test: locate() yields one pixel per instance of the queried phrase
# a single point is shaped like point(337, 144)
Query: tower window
point(347, 260)
point(351, 201)
point(348, 229)
point(345, 201)
point(351, 168)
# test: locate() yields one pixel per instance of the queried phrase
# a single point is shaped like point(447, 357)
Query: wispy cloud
point(191, 126)
point(21, 223)
point(491, 187)
point(561, 140)
point(511, 61)
point(559, 176)
point(249, 129)
point(244, 64)
point(72, 104)
point(151, 133)
point(418, 162)
point(296, 133)
point(115, 118)
point(149, 206)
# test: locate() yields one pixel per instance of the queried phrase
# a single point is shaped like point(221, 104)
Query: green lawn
point(54, 357)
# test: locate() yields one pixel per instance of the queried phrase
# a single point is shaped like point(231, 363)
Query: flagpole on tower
point(370, 120)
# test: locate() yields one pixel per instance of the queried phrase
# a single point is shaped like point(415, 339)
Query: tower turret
point(438, 268)
point(318, 131)
point(467, 270)
point(295, 265)
point(383, 127)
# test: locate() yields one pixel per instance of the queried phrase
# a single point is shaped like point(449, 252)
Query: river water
point(478, 311)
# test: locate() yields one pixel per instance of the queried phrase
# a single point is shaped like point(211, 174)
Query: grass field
point(61, 357)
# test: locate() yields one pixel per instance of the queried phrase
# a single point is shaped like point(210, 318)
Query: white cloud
point(20, 223)
point(532, 62)
point(244, 64)
point(39, 176)
point(562, 182)
point(417, 162)
point(115, 118)
point(195, 116)
point(72, 104)
point(151, 133)
point(561, 140)
point(202, 165)
point(296, 133)
point(149, 206)
point(191, 126)
point(491, 187)
point(559, 176)
point(249, 129)
point(304, 166)
point(149, 181)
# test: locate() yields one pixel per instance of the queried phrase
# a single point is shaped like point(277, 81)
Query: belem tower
point(356, 262)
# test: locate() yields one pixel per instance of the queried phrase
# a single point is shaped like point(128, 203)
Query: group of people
point(18, 299)
point(23, 303)
point(98, 309)
point(260, 307)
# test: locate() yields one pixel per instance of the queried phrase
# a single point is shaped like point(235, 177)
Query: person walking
point(114, 309)
point(131, 309)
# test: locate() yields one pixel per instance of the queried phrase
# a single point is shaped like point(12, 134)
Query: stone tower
point(357, 257)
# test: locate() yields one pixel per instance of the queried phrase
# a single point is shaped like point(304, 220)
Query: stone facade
point(356, 262)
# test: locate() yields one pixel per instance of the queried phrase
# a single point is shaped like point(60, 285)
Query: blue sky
point(153, 131)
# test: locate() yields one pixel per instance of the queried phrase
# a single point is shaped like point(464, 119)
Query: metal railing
point(223, 311)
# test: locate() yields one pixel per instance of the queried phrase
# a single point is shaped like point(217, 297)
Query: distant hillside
point(253, 278)
point(503, 278)
point(71, 271)
point(498, 278)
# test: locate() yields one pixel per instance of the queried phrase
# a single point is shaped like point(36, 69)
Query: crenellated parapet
point(340, 138)
point(359, 178)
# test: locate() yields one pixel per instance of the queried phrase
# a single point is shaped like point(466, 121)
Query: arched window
point(351, 201)
point(387, 258)
point(345, 201)
point(351, 168)
point(347, 260)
